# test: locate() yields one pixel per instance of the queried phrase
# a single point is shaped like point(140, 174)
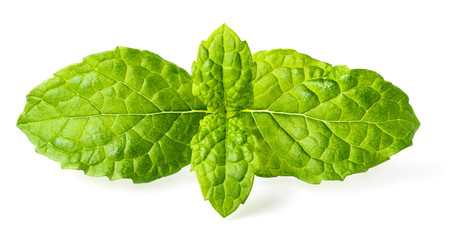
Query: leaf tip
point(225, 29)
point(223, 213)
point(223, 209)
point(224, 26)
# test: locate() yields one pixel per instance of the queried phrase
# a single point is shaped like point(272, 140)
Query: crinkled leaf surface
point(222, 151)
point(223, 71)
point(318, 122)
point(122, 114)
point(130, 114)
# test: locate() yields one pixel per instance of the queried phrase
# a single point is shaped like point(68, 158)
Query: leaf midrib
point(121, 114)
point(321, 120)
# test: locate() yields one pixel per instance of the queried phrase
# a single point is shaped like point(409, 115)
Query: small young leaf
point(122, 114)
point(318, 123)
point(221, 154)
point(223, 71)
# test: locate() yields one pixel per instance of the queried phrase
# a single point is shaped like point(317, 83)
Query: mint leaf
point(222, 150)
point(122, 114)
point(318, 122)
point(131, 114)
point(223, 71)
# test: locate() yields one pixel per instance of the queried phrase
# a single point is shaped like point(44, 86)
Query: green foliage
point(121, 114)
point(222, 151)
point(128, 113)
point(318, 122)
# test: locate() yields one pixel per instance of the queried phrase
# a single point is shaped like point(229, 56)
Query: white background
point(408, 197)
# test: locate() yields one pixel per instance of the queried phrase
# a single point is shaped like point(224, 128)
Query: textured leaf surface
point(318, 122)
point(223, 71)
point(130, 114)
point(221, 154)
point(122, 114)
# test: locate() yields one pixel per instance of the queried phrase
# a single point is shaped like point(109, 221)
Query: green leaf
point(222, 150)
point(223, 71)
point(122, 114)
point(130, 114)
point(318, 122)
